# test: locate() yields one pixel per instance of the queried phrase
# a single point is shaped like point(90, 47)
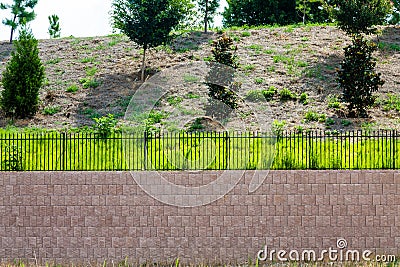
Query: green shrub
point(13, 158)
point(255, 95)
point(304, 98)
point(360, 16)
point(22, 79)
point(174, 100)
point(314, 116)
point(329, 122)
point(278, 128)
point(391, 103)
point(89, 83)
point(246, 34)
point(357, 77)
point(191, 95)
point(72, 88)
point(269, 94)
point(333, 102)
point(346, 123)
point(223, 53)
point(259, 80)
point(51, 110)
point(105, 125)
point(286, 94)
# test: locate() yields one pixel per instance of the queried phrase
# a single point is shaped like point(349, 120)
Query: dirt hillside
point(301, 59)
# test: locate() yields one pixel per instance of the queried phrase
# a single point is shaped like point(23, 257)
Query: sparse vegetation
point(269, 94)
point(304, 98)
point(51, 110)
point(286, 94)
point(314, 116)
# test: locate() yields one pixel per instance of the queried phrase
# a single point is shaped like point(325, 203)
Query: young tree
point(360, 16)
point(208, 9)
point(357, 77)
point(221, 75)
point(20, 14)
point(54, 28)
point(23, 77)
point(148, 22)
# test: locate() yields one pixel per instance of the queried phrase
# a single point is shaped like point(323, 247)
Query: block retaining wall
point(87, 217)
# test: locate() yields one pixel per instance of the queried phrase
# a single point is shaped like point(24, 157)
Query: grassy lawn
point(198, 151)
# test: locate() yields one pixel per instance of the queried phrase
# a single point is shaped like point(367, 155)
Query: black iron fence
point(199, 151)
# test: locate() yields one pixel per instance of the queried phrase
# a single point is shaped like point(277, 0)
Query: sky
point(80, 18)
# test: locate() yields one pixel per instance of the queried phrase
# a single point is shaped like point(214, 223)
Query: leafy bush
point(304, 98)
point(89, 83)
point(333, 102)
point(174, 100)
point(278, 128)
point(72, 88)
point(286, 94)
point(255, 95)
point(105, 125)
point(391, 103)
point(51, 110)
point(314, 116)
point(329, 122)
point(13, 158)
point(359, 16)
point(345, 123)
point(357, 77)
point(223, 53)
point(269, 94)
point(22, 79)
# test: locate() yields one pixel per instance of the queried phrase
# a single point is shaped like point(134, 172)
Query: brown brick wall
point(91, 216)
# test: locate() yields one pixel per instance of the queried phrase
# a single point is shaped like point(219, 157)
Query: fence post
point(64, 151)
point(227, 139)
point(145, 150)
point(394, 148)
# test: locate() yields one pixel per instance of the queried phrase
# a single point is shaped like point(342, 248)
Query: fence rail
point(199, 151)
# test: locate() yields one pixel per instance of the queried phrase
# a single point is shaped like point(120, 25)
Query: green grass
point(246, 34)
point(391, 103)
point(180, 151)
point(53, 61)
point(174, 100)
point(389, 46)
point(89, 60)
point(51, 110)
point(72, 88)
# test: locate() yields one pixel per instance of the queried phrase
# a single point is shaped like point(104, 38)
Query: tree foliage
point(22, 13)
point(221, 75)
point(395, 17)
point(313, 11)
point(148, 22)
point(23, 77)
point(208, 9)
point(360, 16)
point(259, 12)
point(357, 77)
point(54, 28)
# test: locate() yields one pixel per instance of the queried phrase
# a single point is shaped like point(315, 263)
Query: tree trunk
point(12, 29)
point(206, 17)
point(144, 62)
